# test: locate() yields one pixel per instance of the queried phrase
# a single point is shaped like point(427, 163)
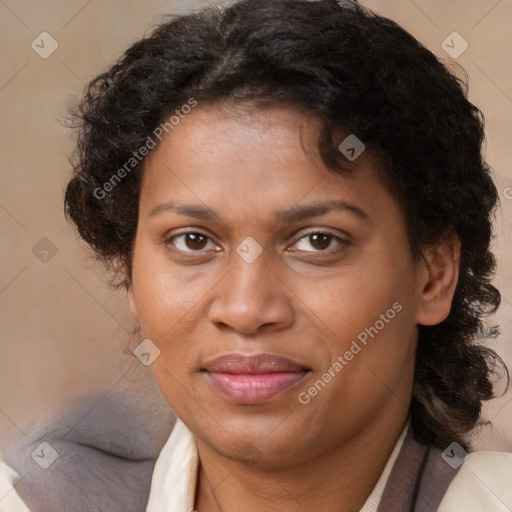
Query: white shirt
point(9, 499)
point(483, 483)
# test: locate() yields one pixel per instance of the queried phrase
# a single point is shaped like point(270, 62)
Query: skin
point(297, 299)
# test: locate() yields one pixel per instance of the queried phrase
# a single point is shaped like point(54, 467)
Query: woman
point(294, 195)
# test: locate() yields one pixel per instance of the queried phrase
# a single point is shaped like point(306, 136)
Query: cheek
point(168, 310)
point(353, 298)
point(366, 319)
point(172, 304)
point(165, 294)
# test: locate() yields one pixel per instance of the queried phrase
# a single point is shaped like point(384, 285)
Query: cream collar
point(174, 481)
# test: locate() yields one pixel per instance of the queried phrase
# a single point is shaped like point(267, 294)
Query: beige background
point(63, 330)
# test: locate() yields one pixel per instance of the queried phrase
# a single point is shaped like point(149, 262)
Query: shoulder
point(93, 476)
point(484, 482)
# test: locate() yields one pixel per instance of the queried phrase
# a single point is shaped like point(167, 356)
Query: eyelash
point(341, 242)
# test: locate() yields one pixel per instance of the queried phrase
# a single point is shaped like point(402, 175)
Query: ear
point(131, 300)
point(441, 273)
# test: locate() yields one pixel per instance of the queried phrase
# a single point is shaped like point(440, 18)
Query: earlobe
point(131, 301)
point(442, 272)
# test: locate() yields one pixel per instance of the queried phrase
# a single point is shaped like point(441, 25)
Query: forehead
point(256, 159)
point(235, 137)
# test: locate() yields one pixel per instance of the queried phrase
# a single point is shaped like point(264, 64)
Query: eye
point(191, 241)
point(321, 241)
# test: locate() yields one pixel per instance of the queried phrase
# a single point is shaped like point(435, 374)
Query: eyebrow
point(294, 214)
point(190, 210)
point(305, 211)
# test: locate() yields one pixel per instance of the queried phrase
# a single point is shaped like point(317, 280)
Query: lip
point(253, 379)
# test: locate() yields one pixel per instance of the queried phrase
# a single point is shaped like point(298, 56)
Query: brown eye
point(195, 241)
point(190, 242)
point(319, 241)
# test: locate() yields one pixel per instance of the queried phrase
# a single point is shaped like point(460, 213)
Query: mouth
point(253, 379)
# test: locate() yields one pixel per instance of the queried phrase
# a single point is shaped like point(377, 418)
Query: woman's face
point(301, 281)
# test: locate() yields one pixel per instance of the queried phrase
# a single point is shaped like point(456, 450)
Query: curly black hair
point(361, 74)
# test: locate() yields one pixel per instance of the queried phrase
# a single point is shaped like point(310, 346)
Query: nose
point(250, 298)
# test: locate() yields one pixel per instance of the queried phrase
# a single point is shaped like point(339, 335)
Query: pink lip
point(253, 379)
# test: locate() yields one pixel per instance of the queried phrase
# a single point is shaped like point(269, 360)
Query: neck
point(341, 478)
